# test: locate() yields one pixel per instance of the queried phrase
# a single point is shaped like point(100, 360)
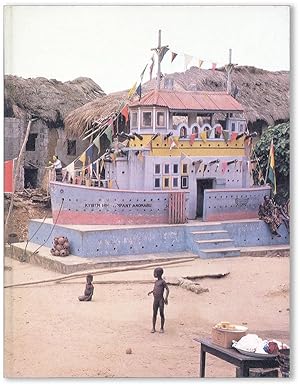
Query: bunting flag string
point(173, 56)
point(187, 60)
point(203, 135)
point(125, 113)
point(192, 138)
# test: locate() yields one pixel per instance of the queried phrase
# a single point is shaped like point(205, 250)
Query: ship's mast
point(159, 49)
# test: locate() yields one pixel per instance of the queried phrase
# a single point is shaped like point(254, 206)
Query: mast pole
point(158, 60)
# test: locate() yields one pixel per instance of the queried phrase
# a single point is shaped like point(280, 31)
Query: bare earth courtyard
point(49, 333)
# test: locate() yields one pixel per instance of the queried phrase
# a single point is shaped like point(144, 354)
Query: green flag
point(109, 132)
point(226, 135)
point(96, 142)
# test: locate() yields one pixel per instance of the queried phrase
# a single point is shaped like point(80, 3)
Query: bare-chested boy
point(89, 290)
point(159, 301)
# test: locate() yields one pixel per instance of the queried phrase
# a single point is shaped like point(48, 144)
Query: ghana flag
point(271, 173)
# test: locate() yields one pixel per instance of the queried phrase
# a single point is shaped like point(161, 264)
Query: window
point(195, 131)
point(166, 169)
point(184, 182)
point(175, 182)
point(134, 121)
point(30, 145)
point(160, 118)
point(157, 169)
point(241, 127)
point(156, 183)
point(233, 126)
point(166, 182)
point(184, 169)
point(175, 168)
point(71, 147)
point(183, 132)
point(147, 118)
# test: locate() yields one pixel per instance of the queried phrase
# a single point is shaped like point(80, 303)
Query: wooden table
point(231, 355)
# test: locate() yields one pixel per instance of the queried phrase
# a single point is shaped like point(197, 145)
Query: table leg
point(202, 362)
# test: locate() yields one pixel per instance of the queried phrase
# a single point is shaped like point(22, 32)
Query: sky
point(112, 44)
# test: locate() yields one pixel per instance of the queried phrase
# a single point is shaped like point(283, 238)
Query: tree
point(281, 139)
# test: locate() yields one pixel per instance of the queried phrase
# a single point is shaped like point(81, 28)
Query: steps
point(211, 241)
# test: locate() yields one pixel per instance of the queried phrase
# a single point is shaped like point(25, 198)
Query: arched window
point(196, 130)
point(183, 132)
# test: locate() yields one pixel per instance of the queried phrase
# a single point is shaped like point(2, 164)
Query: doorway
point(202, 184)
point(30, 178)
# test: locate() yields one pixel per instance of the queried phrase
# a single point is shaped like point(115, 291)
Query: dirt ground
point(49, 333)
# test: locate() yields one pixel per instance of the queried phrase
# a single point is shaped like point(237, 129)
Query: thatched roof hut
point(50, 100)
point(264, 95)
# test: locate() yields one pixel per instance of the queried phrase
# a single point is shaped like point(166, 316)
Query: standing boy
point(159, 301)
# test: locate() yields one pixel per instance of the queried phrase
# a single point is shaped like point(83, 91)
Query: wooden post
point(16, 174)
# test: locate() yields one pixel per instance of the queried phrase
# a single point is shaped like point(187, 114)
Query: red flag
point(124, 112)
point(173, 56)
point(214, 65)
point(192, 138)
point(224, 167)
point(219, 130)
point(233, 136)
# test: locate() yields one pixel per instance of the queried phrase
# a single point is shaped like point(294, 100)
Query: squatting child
point(89, 290)
point(159, 301)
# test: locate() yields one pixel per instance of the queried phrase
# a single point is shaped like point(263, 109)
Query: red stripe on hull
point(79, 218)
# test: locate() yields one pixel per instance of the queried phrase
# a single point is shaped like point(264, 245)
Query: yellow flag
point(110, 184)
point(203, 136)
point(132, 90)
point(82, 158)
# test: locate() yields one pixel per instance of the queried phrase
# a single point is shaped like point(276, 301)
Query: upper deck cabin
point(185, 113)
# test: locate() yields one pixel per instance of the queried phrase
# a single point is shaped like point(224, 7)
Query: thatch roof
point(50, 100)
point(263, 94)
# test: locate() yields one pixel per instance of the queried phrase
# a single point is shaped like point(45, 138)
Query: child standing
point(159, 301)
point(89, 290)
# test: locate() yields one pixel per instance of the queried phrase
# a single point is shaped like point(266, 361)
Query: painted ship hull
point(82, 205)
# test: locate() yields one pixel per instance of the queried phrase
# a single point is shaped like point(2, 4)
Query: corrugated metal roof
point(190, 100)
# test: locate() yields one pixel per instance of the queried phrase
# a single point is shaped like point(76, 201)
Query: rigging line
point(33, 253)
point(27, 241)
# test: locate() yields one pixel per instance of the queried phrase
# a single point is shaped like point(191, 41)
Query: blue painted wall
point(154, 239)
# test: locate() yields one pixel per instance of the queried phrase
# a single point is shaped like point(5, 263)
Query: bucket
point(12, 238)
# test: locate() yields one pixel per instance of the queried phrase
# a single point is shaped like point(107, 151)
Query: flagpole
point(269, 159)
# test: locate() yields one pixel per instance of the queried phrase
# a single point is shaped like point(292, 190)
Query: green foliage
point(281, 139)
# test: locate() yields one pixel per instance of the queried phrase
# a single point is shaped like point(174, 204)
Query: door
point(202, 184)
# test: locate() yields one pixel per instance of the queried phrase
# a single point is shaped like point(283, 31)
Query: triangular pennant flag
point(113, 157)
point(124, 112)
point(163, 52)
point(173, 144)
point(192, 138)
point(200, 169)
point(143, 72)
point(82, 158)
point(139, 90)
point(203, 135)
point(151, 66)
point(204, 168)
point(187, 60)
point(217, 167)
point(132, 90)
point(182, 157)
point(219, 129)
point(213, 67)
point(89, 154)
point(110, 184)
point(225, 135)
point(209, 131)
point(271, 172)
point(108, 133)
point(200, 63)
point(101, 165)
point(233, 136)
point(173, 56)
point(224, 167)
point(96, 142)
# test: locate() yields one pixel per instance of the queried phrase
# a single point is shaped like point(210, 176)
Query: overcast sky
point(112, 44)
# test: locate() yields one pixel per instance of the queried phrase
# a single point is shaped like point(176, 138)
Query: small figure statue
point(89, 290)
